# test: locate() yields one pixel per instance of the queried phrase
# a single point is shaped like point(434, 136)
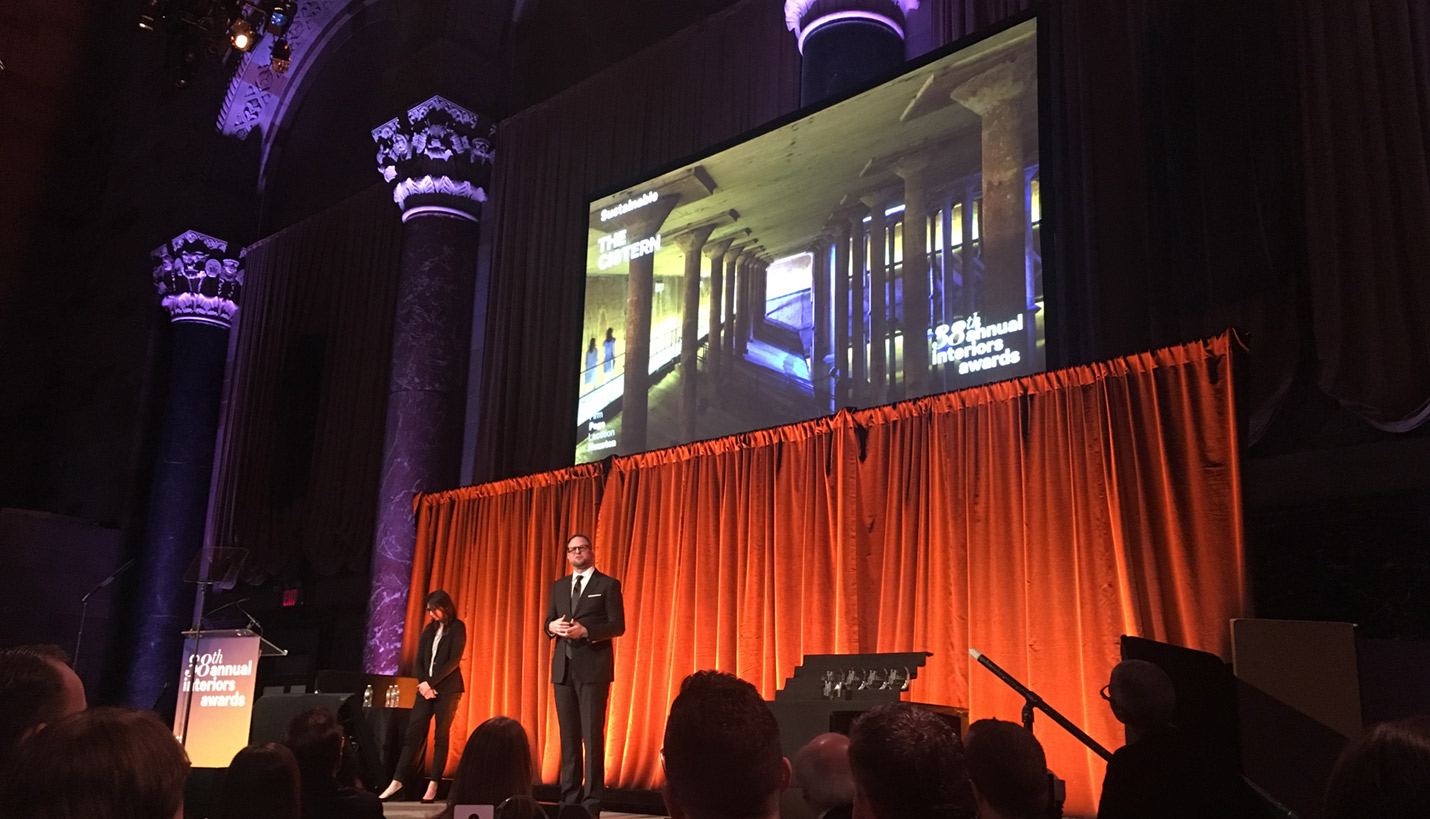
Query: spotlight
point(282, 56)
point(150, 14)
point(280, 17)
point(241, 35)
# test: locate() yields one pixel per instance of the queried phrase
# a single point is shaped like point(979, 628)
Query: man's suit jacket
point(602, 612)
point(446, 676)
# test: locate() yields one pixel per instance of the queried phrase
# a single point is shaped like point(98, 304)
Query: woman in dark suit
point(439, 689)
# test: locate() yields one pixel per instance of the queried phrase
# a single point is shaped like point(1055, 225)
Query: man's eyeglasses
point(1106, 692)
point(574, 549)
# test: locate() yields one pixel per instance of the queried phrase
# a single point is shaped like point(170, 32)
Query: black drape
point(1194, 148)
point(301, 446)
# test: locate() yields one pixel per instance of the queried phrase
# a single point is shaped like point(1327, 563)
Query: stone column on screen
point(728, 309)
point(858, 305)
point(969, 265)
point(819, 283)
point(438, 157)
point(716, 251)
point(846, 44)
point(1003, 98)
point(692, 244)
point(199, 282)
point(915, 276)
point(878, 307)
point(838, 365)
point(641, 223)
point(742, 313)
point(951, 282)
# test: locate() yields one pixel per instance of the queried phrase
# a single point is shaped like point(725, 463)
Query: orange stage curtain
point(1035, 520)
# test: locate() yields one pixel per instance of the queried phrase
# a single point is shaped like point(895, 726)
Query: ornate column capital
point(804, 16)
point(438, 157)
point(198, 279)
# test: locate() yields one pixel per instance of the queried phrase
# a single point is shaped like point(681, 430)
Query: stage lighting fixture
point(151, 14)
point(280, 17)
point(282, 56)
point(241, 35)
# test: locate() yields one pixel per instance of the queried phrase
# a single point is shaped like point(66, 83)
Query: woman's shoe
point(391, 792)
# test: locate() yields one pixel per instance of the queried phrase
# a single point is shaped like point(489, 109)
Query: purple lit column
point(199, 283)
point(846, 44)
point(438, 157)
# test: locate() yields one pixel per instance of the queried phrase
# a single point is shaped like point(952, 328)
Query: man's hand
point(560, 626)
point(575, 631)
point(425, 690)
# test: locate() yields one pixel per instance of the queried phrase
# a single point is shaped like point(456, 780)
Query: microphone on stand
point(84, 605)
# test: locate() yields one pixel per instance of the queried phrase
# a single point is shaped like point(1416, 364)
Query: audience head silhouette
point(821, 768)
point(1008, 768)
point(495, 766)
point(316, 739)
point(908, 763)
point(261, 783)
point(1141, 695)
point(722, 755)
point(1385, 774)
point(104, 762)
point(37, 688)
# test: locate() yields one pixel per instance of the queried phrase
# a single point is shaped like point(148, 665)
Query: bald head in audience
point(37, 688)
point(821, 768)
point(1141, 695)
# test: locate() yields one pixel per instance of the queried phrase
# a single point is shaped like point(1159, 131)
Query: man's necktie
point(575, 594)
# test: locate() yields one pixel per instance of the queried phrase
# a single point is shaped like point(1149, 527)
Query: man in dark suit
point(584, 614)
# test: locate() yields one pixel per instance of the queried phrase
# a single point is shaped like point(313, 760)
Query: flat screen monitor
point(773, 280)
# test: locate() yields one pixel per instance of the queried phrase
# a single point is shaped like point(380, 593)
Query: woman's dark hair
point(442, 600)
point(496, 765)
point(1384, 774)
point(610, 334)
point(109, 762)
point(261, 783)
point(593, 343)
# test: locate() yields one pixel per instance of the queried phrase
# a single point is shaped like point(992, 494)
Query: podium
point(216, 692)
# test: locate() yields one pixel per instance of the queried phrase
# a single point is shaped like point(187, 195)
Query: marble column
point(692, 244)
point(438, 158)
point(878, 306)
point(915, 275)
point(846, 44)
point(716, 252)
point(1000, 97)
point(199, 282)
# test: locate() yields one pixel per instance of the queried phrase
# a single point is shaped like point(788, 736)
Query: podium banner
point(218, 697)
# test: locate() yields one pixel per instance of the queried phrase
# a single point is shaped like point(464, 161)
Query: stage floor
point(417, 810)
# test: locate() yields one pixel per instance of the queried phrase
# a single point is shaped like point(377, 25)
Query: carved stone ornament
point(803, 16)
point(439, 153)
point(197, 279)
